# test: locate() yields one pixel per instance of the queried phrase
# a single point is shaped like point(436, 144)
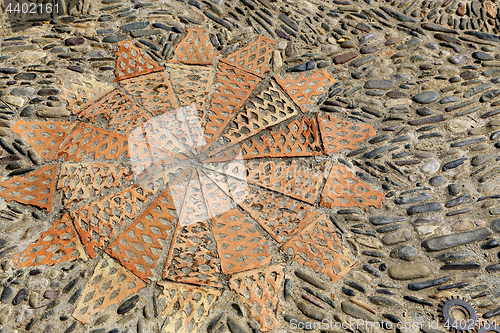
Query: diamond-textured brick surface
point(233, 88)
point(343, 189)
point(270, 107)
point(35, 188)
point(254, 58)
point(319, 247)
point(123, 114)
point(98, 222)
point(192, 85)
point(299, 180)
point(140, 246)
point(131, 62)
point(195, 48)
point(299, 138)
point(58, 244)
point(305, 88)
point(108, 286)
point(339, 134)
point(240, 245)
point(259, 289)
point(79, 181)
point(90, 143)
point(44, 136)
point(187, 306)
point(152, 91)
point(279, 215)
point(81, 90)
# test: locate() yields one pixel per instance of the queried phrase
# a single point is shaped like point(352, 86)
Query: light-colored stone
point(459, 125)
point(409, 271)
point(17, 101)
point(430, 167)
point(277, 60)
point(369, 241)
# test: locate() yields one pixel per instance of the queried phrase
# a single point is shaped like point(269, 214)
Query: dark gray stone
point(445, 242)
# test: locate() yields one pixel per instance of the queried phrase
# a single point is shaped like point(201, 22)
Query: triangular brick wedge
point(239, 243)
point(58, 244)
point(44, 136)
point(343, 189)
point(195, 49)
point(132, 62)
point(259, 290)
point(108, 286)
point(254, 58)
point(35, 188)
point(140, 246)
point(187, 306)
point(319, 247)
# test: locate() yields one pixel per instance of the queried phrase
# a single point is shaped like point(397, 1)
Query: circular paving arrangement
point(250, 166)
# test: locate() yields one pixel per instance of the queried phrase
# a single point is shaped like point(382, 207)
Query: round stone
point(437, 180)
point(430, 167)
point(426, 97)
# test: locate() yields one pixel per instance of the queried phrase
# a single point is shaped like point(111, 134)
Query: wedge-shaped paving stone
point(58, 244)
point(299, 180)
point(140, 246)
point(270, 107)
point(339, 134)
point(175, 122)
point(233, 89)
point(108, 286)
point(79, 181)
point(123, 114)
point(89, 143)
point(192, 86)
point(81, 90)
point(319, 247)
point(187, 306)
point(195, 49)
point(44, 136)
point(259, 289)
point(343, 189)
point(305, 88)
point(299, 138)
point(98, 222)
point(254, 58)
point(35, 188)
point(152, 91)
point(192, 257)
point(132, 62)
point(240, 245)
point(281, 216)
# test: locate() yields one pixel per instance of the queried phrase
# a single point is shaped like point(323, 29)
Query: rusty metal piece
point(79, 181)
point(123, 114)
point(138, 247)
point(259, 290)
point(81, 90)
point(99, 221)
point(254, 58)
point(44, 136)
point(318, 243)
point(233, 89)
point(35, 188)
point(339, 134)
point(305, 88)
point(58, 244)
point(153, 91)
point(192, 257)
point(281, 216)
point(192, 85)
point(131, 62)
point(187, 306)
point(300, 138)
point(195, 49)
point(270, 107)
point(108, 286)
point(240, 245)
point(91, 143)
point(343, 189)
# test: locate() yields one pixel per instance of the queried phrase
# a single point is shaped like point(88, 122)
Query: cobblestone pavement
point(249, 166)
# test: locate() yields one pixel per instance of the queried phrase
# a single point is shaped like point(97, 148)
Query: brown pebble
point(345, 57)
point(52, 294)
point(392, 41)
point(461, 9)
point(347, 44)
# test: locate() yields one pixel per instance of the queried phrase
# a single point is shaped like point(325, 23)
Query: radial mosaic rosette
point(204, 164)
